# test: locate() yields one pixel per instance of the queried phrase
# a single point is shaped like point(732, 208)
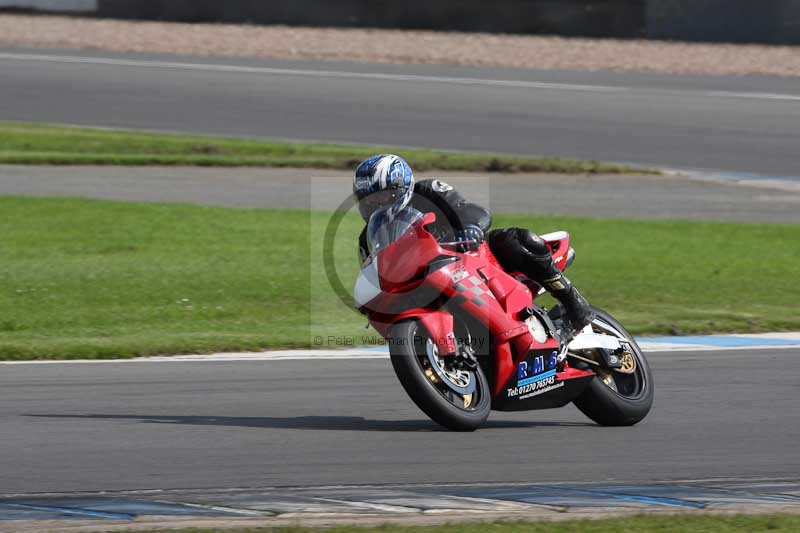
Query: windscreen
point(383, 229)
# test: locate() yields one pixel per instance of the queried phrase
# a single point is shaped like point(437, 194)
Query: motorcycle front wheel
point(455, 397)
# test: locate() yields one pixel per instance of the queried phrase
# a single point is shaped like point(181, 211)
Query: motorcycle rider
point(386, 180)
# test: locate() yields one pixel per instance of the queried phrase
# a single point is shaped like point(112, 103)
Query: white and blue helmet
point(381, 181)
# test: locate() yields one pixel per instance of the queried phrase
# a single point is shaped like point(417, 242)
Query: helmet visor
point(382, 198)
point(372, 202)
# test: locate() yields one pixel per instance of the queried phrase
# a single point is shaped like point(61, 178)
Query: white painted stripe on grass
point(212, 67)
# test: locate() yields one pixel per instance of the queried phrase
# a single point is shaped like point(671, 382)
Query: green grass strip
point(34, 144)
point(634, 524)
point(97, 279)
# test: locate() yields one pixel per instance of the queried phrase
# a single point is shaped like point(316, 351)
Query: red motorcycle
point(466, 337)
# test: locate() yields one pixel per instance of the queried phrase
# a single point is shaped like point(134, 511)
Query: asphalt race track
point(137, 425)
point(626, 196)
point(125, 426)
point(749, 125)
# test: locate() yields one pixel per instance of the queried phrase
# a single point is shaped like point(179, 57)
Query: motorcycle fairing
point(558, 244)
point(473, 283)
point(438, 324)
point(548, 390)
point(509, 297)
point(543, 389)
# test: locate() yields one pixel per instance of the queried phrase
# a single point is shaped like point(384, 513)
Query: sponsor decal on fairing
point(536, 377)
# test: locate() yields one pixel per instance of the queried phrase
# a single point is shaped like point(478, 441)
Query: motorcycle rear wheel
point(434, 390)
point(614, 399)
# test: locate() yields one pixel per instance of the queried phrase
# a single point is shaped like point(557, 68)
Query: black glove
point(471, 236)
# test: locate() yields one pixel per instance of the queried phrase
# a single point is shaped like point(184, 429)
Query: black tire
point(608, 407)
point(408, 359)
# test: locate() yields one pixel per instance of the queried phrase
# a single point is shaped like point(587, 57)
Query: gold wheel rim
point(628, 363)
point(467, 400)
point(607, 377)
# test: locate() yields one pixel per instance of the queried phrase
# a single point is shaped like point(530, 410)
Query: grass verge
point(633, 524)
point(34, 144)
point(97, 279)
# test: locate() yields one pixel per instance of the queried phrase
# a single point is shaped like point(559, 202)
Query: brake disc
point(458, 380)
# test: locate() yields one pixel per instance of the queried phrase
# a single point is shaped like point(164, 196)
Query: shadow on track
point(334, 423)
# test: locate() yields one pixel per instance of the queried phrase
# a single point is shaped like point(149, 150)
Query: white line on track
point(219, 508)
point(213, 67)
point(370, 505)
point(663, 348)
point(310, 73)
point(757, 96)
point(343, 355)
point(299, 355)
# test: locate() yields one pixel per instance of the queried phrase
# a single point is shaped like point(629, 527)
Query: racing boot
point(576, 308)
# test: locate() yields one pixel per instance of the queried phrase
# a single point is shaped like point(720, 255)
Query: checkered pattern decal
point(472, 289)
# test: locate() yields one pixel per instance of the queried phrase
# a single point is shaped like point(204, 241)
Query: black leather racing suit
point(517, 249)
point(452, 211)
